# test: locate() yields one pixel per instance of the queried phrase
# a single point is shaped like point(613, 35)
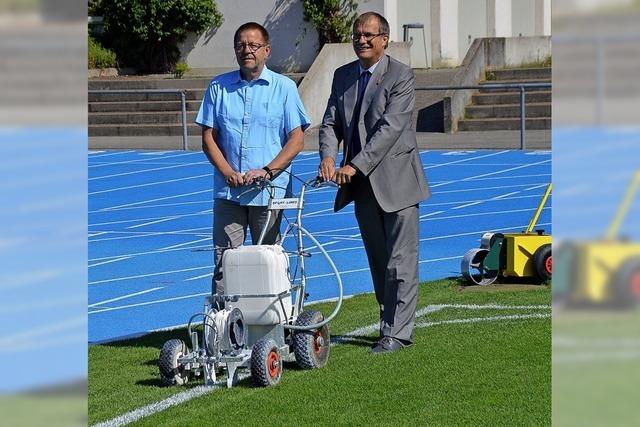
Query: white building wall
point(450, 27)
point(412, 12)
point(523, 18)
point(472, 23)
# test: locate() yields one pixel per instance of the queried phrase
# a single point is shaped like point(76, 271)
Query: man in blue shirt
point(253, 124)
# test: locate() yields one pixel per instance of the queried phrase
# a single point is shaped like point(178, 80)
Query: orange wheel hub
point(273, 363)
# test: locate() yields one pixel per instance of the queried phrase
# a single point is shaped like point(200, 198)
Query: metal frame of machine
point(230, 341)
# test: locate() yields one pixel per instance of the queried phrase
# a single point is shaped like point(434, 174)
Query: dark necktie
point(355, 137)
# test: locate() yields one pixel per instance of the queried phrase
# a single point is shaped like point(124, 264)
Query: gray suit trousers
point(391, 242)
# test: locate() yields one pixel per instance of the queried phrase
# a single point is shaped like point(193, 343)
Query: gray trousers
point(391, 242)
point(230, 222)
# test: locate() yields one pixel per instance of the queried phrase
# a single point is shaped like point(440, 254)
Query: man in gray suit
point(369, 110)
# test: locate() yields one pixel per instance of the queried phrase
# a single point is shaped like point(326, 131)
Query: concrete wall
point(316, 86)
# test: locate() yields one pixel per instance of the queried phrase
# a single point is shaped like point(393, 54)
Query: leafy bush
point(99, 56)
point(332, 19)
point(146, 33)
point(180, 68)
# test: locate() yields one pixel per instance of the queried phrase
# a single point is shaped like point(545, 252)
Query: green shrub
point(99, 56)
point(332, 19)
point(145, 34)
point(180, 69)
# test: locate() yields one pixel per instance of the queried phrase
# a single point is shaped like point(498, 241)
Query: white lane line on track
point(138, 234)
point(140, 160)
point(156, 251)
point(102, 310)
point(119, 258)
point(139, 276)
point(466, 160)
point(124, 221)
point(166, 248)
point(129, 187)
point(115, 175)
point(127, 205)
point(146, 291)
point(351, 336)
point(169, 218)
point(485, 175)
point(425, 239)
point(160, 205)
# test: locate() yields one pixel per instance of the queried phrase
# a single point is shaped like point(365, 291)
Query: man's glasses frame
point(253, 47)
point(367, 36)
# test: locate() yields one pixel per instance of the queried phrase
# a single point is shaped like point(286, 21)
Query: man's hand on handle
point(327, 169)
point(234, 179)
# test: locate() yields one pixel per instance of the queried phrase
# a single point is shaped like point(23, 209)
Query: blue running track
point(150, 224)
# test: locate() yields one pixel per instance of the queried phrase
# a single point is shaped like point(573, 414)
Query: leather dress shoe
point(389, 345)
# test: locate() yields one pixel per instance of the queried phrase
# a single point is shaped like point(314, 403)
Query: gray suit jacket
point(389, 155)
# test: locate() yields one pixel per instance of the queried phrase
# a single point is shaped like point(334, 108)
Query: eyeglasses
point(253, 47)
point(367, 36)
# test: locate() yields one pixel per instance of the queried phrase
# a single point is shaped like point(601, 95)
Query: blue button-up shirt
point(252, 120)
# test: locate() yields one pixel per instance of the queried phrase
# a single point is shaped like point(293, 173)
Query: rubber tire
point(540, 259)
point(263, 353)
point(170, 371)
point(623, 284)
point(308, 353)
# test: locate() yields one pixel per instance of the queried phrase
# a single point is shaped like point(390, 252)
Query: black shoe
point(389, 345)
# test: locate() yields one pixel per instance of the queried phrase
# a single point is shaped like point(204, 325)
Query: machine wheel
point(311, 348)
point(171, 372)
point(542, 262)
point(627, 284)
point(266, 363)
point(473, 269)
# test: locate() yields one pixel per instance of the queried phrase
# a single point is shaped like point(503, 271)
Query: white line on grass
point(354, 335)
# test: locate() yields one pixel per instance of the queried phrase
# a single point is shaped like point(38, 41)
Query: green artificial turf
point(485, 373)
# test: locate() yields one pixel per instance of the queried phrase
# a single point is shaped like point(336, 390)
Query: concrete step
point(492, 90)
point(477, 125)
point(142, 130)
point(119, 107)
point(510, 98)
point(157, 118)
point(191, 95)
point(521, 74)
point(507, 111)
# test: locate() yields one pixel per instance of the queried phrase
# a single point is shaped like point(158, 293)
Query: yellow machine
point(603, 272)
point(526, 254)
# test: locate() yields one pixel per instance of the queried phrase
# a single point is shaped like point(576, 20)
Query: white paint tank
point(258, 270)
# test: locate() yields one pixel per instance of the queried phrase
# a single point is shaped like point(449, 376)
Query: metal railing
point(183, 101)
point(522, 87)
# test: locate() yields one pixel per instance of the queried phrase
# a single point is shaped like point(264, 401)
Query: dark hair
point(383, 25)
point(251, 26)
